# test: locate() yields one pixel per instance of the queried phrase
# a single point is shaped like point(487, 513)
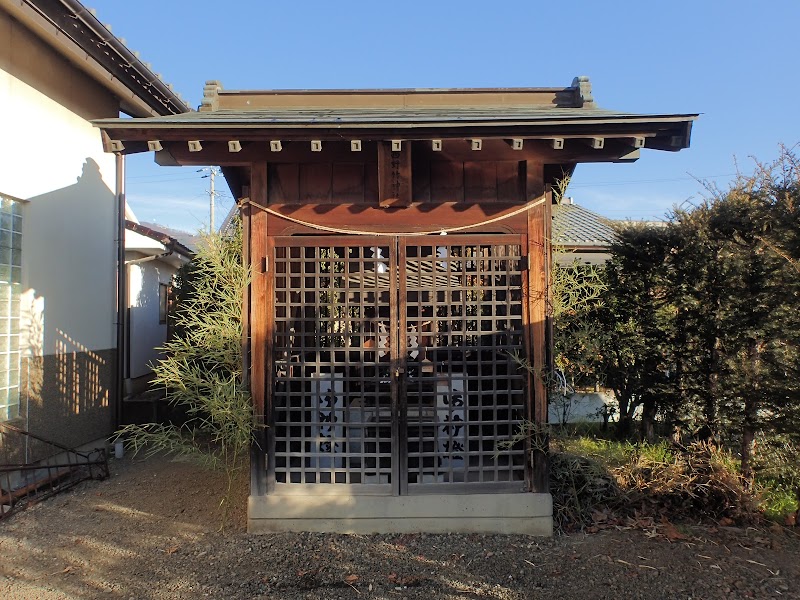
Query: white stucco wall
point(582, 407)
point(146, 333)
point(51, 155)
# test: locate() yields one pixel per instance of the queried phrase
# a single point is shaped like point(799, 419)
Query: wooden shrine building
point(399, 248)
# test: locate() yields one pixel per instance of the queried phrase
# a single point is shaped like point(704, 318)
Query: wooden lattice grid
point(354, 404)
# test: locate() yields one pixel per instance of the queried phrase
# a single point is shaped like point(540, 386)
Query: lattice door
point(391, 361)
point(461, 306)
point(333, 395)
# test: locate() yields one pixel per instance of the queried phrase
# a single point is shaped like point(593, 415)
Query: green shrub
point(777, 475)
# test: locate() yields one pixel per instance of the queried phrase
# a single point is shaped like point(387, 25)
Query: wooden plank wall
point(422, 176)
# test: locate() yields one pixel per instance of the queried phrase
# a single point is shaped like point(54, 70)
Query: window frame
point(10, 302)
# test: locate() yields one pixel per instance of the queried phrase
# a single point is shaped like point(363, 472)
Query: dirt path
point(149, 532)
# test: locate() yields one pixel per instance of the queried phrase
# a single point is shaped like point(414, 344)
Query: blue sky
point(732, 61)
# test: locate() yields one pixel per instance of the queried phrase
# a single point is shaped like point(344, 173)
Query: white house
point(60, 223)
point(153, 256)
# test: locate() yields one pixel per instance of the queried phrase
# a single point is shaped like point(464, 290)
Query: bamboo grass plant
point(201, 369)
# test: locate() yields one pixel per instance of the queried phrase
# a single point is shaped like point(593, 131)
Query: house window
point(10, 290)
point(163, 302)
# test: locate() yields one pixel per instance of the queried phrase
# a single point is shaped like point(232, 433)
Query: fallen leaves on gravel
point(672, 534)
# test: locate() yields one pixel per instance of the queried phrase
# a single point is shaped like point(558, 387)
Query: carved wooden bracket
point(394, 175)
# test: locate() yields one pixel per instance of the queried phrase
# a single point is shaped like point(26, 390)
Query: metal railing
point(33, 468)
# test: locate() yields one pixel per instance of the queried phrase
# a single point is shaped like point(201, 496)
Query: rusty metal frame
point(57, 468)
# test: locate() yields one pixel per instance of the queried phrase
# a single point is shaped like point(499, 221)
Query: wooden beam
point(661, 135)
point(234, 146)
point(555, 172)
point(218, 153)
point(534, 179)
point(105, 139)
point(154, 145)
point(276, 146)
point(547, 209)
point(394, 175)
point(414, 218)
point(576, 151)
point(631, 155)
point(491, 150)
point(391, 99)
point(166, 158)
point(237, 180)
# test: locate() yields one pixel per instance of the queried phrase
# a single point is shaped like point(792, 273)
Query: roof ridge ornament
point(583, 88)
point(211, 91)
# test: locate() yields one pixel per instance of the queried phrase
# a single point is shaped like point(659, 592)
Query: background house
point(60, 327)
point(153, 255)
point(581, 235)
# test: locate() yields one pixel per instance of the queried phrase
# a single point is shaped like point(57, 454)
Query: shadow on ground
point(151, 532)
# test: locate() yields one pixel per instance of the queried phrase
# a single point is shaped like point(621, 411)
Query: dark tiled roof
point(70, 20)
point(405, 116)
point(574, 225)
point(227, 225)
point(184, 238)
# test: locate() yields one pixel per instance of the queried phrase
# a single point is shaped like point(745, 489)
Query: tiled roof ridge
point(574, 224)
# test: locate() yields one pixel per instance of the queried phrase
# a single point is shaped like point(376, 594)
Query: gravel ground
point(150, 532)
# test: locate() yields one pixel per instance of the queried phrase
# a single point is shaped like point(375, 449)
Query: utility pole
point(212, 173)
point(211, 198)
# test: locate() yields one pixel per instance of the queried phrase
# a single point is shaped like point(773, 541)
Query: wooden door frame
point(263, 472)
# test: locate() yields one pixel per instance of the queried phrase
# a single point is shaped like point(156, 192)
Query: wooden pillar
point(245, 211)
point(260, 329)
point(539, 227)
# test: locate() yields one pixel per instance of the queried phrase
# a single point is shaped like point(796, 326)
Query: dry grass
point(580, 485)
point(695, 483)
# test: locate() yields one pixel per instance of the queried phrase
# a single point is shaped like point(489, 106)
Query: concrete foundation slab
point(520, 513)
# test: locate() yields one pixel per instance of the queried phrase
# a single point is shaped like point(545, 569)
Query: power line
point(640, 181)
point(159, 174)
point(165, 180)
